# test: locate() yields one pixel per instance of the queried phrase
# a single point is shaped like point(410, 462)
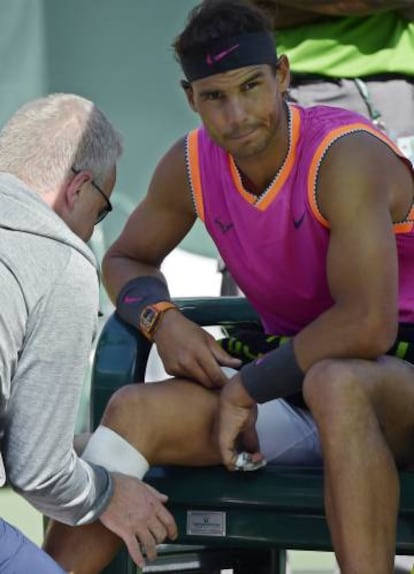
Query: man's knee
point(330, 386)
point(126, 405)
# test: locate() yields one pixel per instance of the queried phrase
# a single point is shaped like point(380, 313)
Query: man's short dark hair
point(214, 19)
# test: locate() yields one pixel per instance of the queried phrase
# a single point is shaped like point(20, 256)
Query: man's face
point(241, 109)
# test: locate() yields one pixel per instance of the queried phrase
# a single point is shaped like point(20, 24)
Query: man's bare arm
point(155, 227)
point(360, 204)
point(153, 230)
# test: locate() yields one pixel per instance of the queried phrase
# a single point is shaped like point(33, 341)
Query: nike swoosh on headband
point(211, 59)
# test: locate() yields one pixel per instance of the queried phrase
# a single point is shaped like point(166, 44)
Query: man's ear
point(74, 186)
point(283, 73)
point(188, 90)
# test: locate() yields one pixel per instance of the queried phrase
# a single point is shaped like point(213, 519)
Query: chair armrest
point(208, 311)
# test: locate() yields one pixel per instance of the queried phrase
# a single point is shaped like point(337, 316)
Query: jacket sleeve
point(46, 358)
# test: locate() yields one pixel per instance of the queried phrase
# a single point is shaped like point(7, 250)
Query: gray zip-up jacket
point(48, 318)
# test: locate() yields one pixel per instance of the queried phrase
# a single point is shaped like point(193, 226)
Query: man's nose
point(236, 111)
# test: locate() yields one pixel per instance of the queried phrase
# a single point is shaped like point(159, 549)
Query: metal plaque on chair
point(206, 523)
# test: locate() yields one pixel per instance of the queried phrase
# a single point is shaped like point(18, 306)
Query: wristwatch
point(150, 317)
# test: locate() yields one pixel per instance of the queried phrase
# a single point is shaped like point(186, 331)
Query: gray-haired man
point(58, 160)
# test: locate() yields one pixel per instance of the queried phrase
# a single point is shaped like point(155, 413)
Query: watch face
point(149, 317)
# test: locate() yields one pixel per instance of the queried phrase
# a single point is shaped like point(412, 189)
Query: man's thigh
point(20, 556)
point(288, 435)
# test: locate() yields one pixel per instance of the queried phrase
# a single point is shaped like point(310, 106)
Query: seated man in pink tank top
point(312, 211)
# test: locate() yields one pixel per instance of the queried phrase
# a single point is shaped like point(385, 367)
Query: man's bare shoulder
point(172, 164)
point(346, 177)
point(169, 185)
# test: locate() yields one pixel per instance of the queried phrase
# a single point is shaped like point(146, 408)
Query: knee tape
point(108, 449)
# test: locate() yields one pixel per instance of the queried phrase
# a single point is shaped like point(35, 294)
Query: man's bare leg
point(364, 412)
point(168, 422)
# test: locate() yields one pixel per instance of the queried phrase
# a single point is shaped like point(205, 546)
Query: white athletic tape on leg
point(108, 449)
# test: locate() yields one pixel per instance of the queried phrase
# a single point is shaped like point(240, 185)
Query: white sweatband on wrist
point(110, 450)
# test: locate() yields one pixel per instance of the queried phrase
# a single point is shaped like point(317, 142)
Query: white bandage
point(108, 449)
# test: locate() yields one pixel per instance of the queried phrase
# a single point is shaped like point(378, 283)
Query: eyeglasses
point(108, 207)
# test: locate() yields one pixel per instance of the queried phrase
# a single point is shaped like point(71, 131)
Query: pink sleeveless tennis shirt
point(275, 245)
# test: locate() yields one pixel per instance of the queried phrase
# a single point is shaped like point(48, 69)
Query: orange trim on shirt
point(281, 178)
point(405, 226)
point(249, 197)
point(330, 138)
point(194, 171)
point(402, 227)
point(288, 164)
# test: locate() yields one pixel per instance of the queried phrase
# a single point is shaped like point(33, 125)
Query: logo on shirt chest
point(224, 227)
point(297, 221)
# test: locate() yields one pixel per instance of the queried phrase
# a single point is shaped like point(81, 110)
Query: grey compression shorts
point(287, 434)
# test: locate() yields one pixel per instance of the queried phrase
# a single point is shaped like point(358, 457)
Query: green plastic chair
point(243, 521)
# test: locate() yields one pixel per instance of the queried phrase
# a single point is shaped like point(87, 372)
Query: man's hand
point(236, 420)
point(138, 516)
point(188, 351)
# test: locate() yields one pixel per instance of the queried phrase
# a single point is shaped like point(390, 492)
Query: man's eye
point(214, 96)
point(250, 85)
